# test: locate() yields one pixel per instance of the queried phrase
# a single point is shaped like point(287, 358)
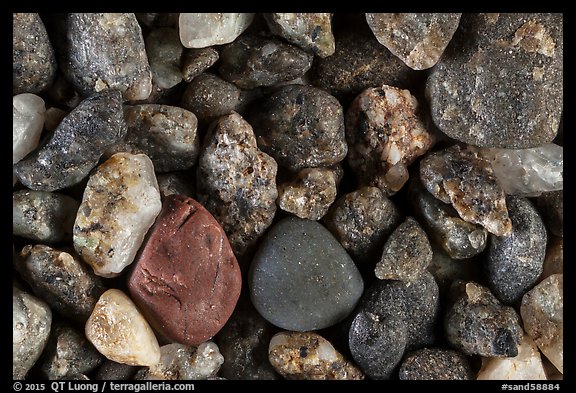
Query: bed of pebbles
point(287, 196)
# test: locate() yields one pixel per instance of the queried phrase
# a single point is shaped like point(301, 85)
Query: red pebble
point(186, 280)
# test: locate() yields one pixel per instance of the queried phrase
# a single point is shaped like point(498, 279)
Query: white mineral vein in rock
point(118, 331)
point(120, 203)
point(28, 115)
point(203, 30)
point(526, 365)
point(528, 172)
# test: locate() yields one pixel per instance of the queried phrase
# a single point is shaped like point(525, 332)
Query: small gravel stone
point(236, 181)
point(377, 343)
point(361, 220)
point(417, 39)
point(478, 324)
point(210, 97)
point(202, 30)
point(310, 31)
point(393, 316)
point(43, 216)
point(421, 307)
point(307, 355)
point(301, 278)
point(68, 352)
point(358, 63)
point(166, 134)
point(458, 238)
point(447, 270)
point(301, 127)
point(181, 362)
point(542, 311)
point(76, 145)
point(120, 203)
point(106, 51)
point(112, 371)
point(31, 320)
point(252, 61)
point(196, 61)
point(164, 52)
point(435, 364)
point(310, 194)
point(243, 342)
point(33, 61)
point(459, 176)
point(407, 253)
point(176, 183)
point(515, 262)
point(499, 82)
point(118, 331)
point(186, 280)
point(385, 134)
point(551, 206)
point(554, 260)
point(528, 172)
point(527, 365)
point(61, 280)
point(28, 116)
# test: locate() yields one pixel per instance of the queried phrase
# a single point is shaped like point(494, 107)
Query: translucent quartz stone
point(528, 172)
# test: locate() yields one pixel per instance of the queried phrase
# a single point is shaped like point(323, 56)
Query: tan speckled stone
point(307, 355)
point(118, 331)
point(120, 203)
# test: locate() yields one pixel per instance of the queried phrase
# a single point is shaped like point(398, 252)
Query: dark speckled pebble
point(435, 364)
point(392, 317)
point(301, 127)
point(34, 64)
point(515, 262)
point(478, 324)
point(76, 145)
point(68, 352)
point(252, 61)
point(61, 279)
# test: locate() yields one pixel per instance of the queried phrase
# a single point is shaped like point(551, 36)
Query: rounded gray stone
point(301, 278)
point(393, 317)
point(515, 262)
point(68, 352)
point(301, 127)
point(361, 221)
point(43, 216)
point(209, 97)
point(34, 64)
point(252, 61)
point(500, 81)
point(60, 279)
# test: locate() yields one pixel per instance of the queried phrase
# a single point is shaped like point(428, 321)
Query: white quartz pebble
point(120, 203)
point(203, 30)
point(526, 365)
point(28, 115)
point(118, 331)
point(183, 362)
